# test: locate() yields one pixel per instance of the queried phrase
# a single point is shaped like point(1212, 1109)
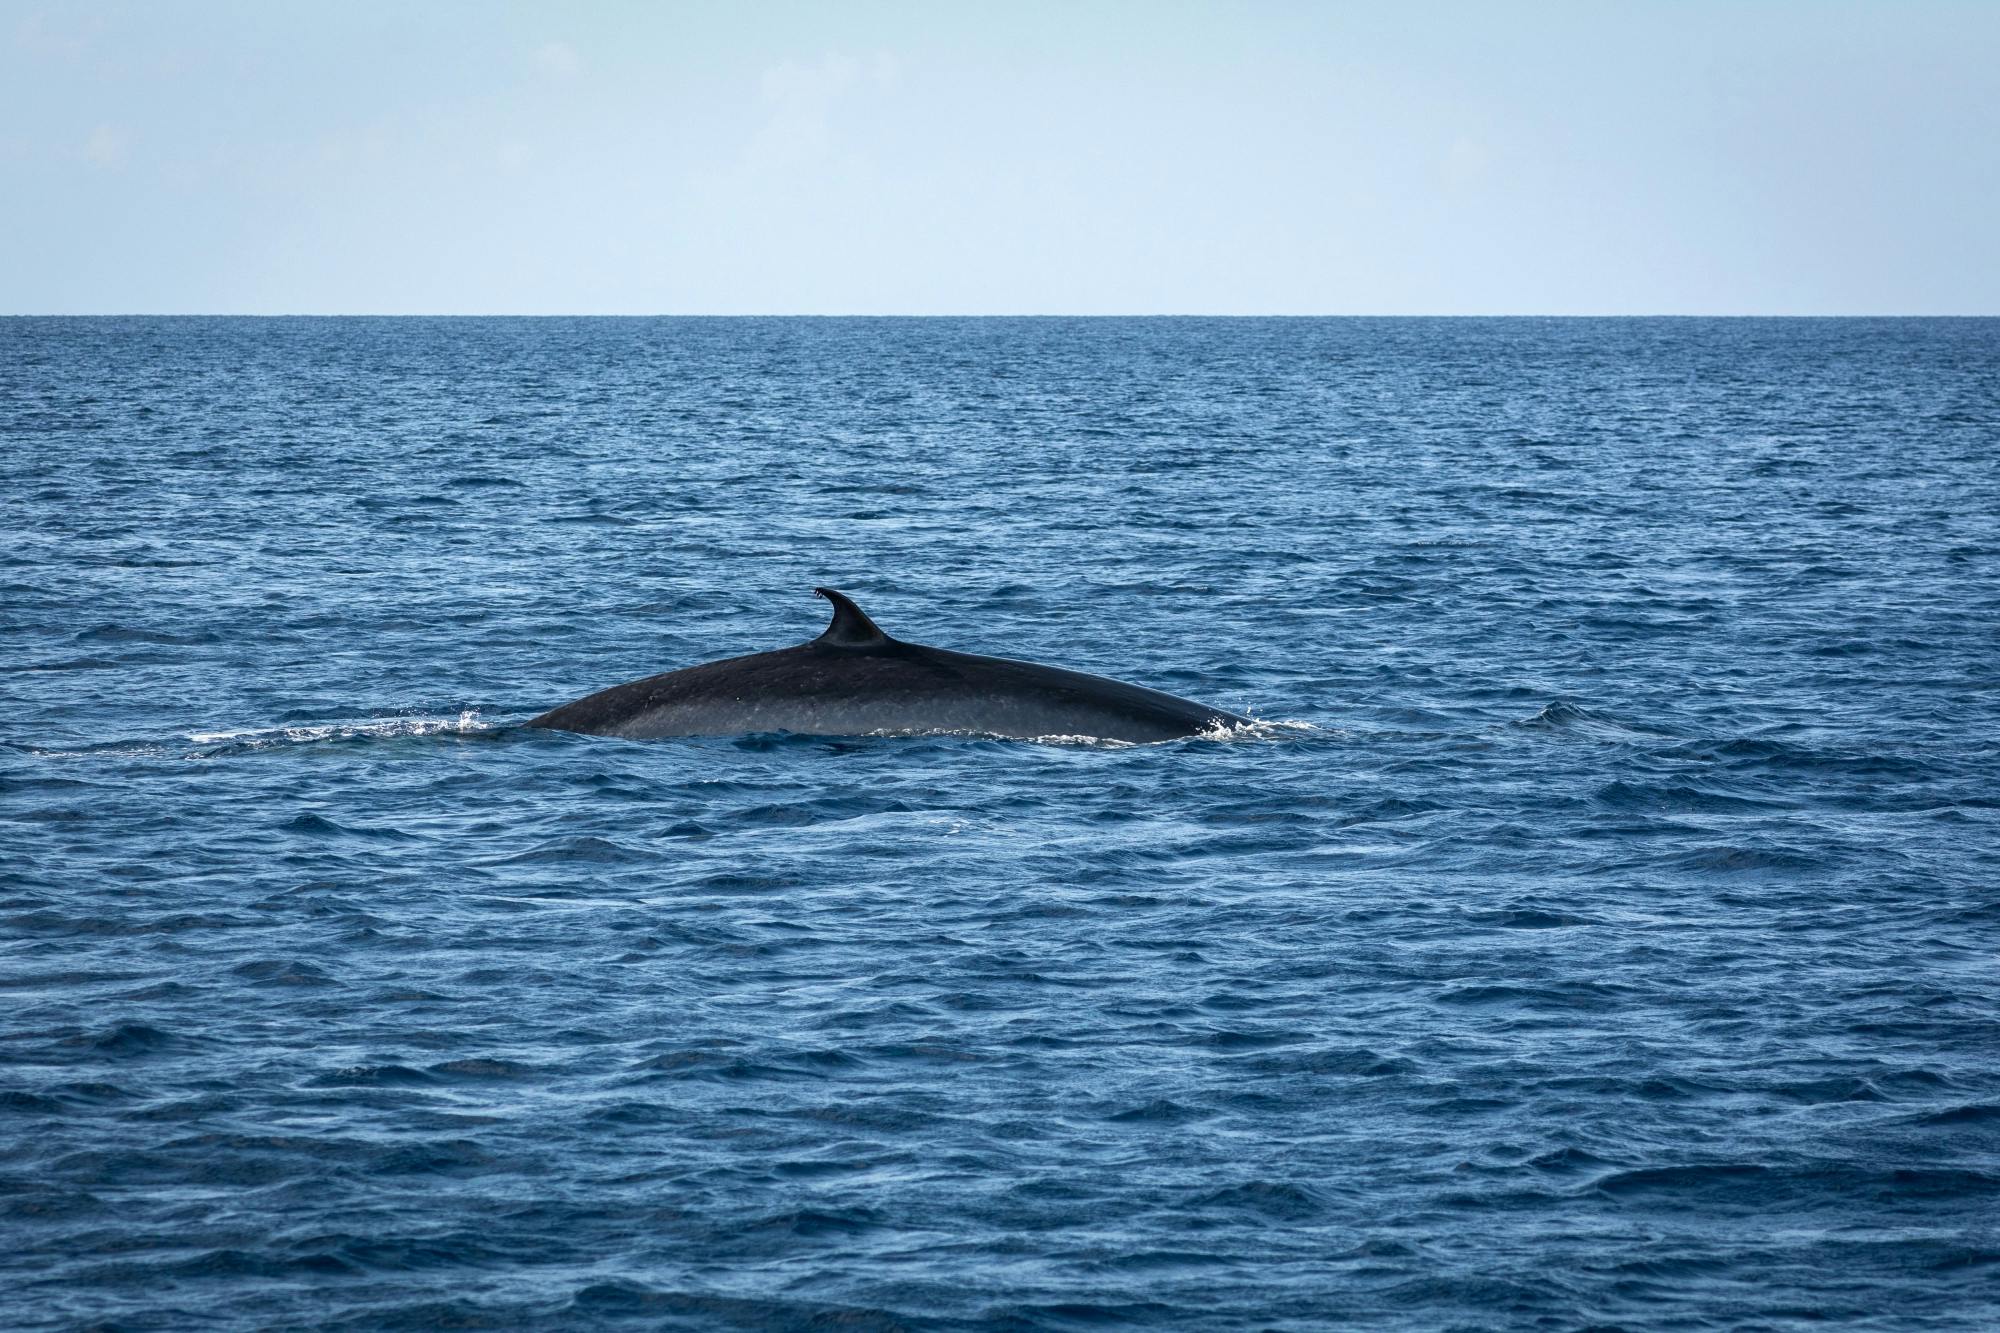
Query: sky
point(1090, 157)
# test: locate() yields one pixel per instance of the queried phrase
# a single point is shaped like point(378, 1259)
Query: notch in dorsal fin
point(851, 627)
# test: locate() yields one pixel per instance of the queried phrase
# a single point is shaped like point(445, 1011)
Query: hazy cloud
point(1467, 162)
point(107, 146)
point(69, 36)
point(800, 98)
point(558, 60)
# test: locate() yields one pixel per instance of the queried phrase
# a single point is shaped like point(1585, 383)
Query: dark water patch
point(1564, 995)
point(1820, 1092)
point(1682, 799)
point(625, 1300)
point(1527, 918)
point(1274, 1200)
point(1752, 754)
point(15, 1102)
point(64, 980)
point(67, 664)
point(1159, 1111)
point(1757, 1186)
point(283, 972)
point(127, 1040)
point(1358, 1062)
point(372, 1076)
point(1980, 1114)
point(318, 826)
point(483, 1069)
point(1750, 860)
point(233, 1265)
point(580, 851)
point(484, 481)
point(136, 634)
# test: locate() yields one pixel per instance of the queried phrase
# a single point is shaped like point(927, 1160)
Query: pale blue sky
point(1614, 157)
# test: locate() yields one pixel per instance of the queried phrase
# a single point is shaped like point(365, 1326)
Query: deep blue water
point(1607, 937)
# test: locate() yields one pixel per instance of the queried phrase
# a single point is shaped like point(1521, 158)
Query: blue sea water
point(1602, 934)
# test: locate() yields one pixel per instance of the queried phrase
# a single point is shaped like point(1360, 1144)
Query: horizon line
point(1050, 315)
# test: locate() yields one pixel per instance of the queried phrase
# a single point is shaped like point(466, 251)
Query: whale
point(855, 680)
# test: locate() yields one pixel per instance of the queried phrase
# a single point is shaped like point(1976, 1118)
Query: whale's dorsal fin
point(851, 627)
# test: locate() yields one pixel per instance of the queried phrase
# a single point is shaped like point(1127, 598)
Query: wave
point(251, 740)
point(467, 723)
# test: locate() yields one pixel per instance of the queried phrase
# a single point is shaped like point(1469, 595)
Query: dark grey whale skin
point(854, 680)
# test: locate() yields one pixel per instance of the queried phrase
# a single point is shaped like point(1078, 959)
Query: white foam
point(1259, 729)
point(1254, 729)
point(466, 723)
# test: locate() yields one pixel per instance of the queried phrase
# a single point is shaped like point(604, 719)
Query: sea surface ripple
point(1607, 936)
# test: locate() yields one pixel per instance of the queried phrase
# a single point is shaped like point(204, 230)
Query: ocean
point(1598, 930)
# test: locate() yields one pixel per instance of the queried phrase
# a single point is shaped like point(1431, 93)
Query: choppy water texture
point(1614, 944)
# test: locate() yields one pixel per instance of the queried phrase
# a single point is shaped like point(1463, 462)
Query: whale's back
point(891, 688)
